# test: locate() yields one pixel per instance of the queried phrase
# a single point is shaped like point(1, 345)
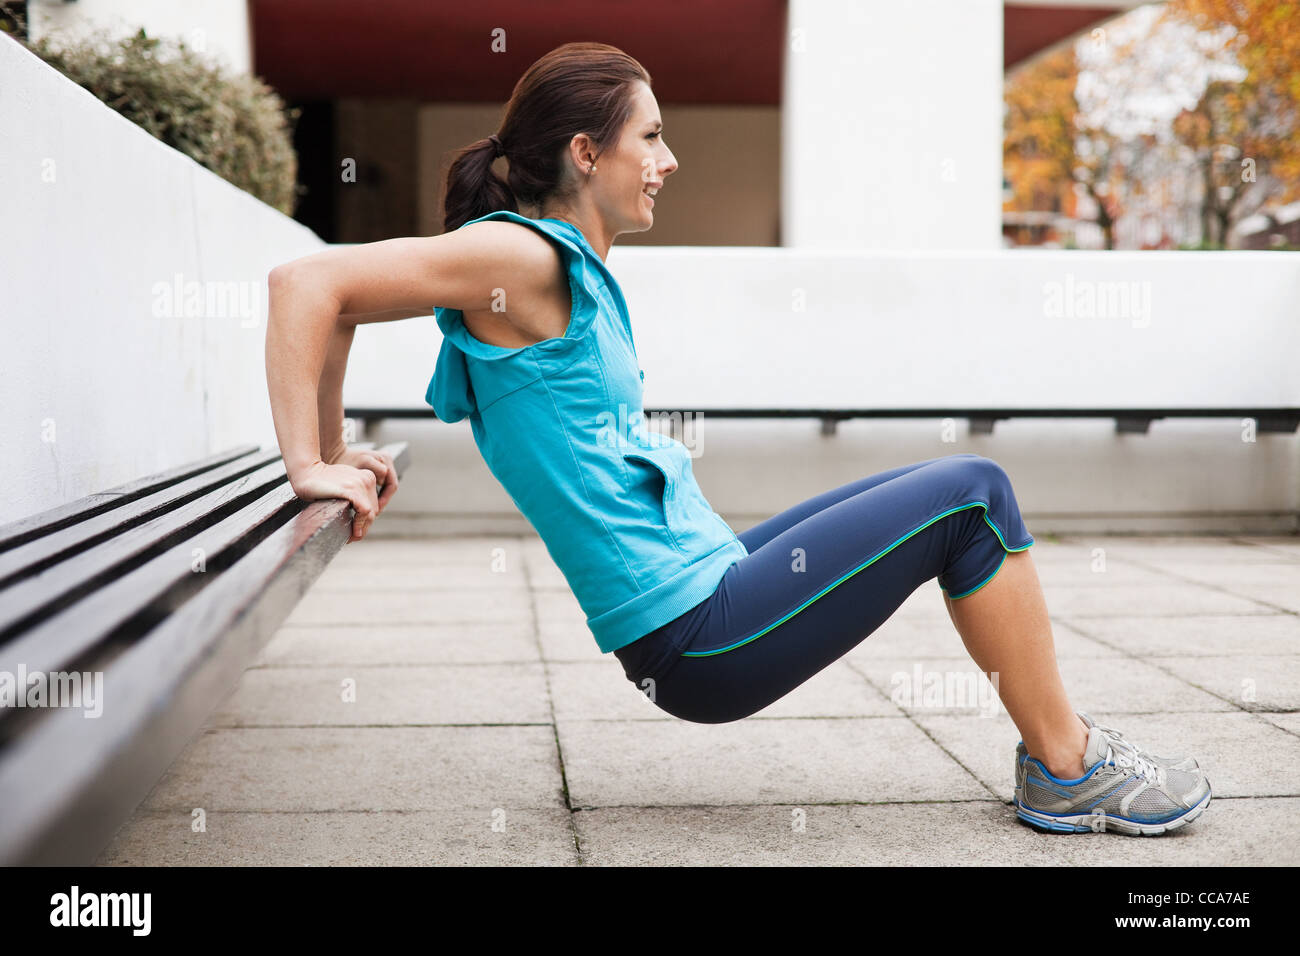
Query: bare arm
point(330, 397)
point(316, 302)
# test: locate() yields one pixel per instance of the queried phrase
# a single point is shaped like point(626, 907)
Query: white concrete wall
point(892, 125)
point(103, 379)
point(720, 327)
point(217, 28)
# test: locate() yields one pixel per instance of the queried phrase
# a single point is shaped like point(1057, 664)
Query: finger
point(390, 481)
point(385, 472)
point(362, 495)
point(369, 506)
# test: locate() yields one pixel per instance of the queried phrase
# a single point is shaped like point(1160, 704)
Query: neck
point(588, 224)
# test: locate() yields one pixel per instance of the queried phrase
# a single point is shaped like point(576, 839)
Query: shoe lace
point(1122, 753)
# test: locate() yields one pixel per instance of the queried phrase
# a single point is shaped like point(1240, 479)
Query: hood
point(461, 358)
point(451, 390)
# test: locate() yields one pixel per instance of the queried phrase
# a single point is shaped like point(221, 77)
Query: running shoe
point(1123, 790)
point(1179, 762)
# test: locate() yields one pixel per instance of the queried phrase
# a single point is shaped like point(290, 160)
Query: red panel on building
point(714, 52)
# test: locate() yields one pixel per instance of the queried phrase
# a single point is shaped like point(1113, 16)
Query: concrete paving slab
point(502, 836)
point(1285, 597)
point(610, 763)
point(977, 833)
point(372, 696)
point(1123, 684)
point(562, 629)
point(364, 768)
point(423, 578)
point(1200, 635)
point(952, 685)
point(1248, 682)
point(1230, 576)
point(461, 550)
point(349, 645)
point(1289, 722)
point(1087, 571)
point(513, 606)
point(1286, 545)
point(1147, 600)
point(1156, 645)
point(1167, 553)
point(984, 744)
point(599, 690)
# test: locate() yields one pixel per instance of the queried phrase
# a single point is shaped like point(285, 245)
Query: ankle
point(1063, 756)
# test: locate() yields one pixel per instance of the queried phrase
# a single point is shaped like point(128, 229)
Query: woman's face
point(636, 166)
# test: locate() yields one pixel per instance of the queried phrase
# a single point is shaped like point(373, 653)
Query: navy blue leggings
point(823, 575)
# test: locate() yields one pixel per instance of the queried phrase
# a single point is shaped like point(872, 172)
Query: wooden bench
point(164, 589)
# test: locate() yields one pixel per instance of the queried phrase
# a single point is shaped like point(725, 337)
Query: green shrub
point(233, 124)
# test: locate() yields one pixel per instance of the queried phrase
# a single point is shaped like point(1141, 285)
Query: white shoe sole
point(1101, 822)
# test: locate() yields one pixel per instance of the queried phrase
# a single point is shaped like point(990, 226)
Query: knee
point(983, 467)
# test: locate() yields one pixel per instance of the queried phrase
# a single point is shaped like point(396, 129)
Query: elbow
point(281, 277)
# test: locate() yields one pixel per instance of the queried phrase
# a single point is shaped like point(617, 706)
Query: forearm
point(329, 408)
point(330, 393)
point(301, 323)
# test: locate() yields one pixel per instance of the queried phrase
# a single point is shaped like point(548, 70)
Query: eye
point(652, 135)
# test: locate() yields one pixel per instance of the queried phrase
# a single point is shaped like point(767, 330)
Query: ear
point(582, 152)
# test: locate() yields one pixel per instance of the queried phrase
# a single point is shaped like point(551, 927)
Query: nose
point(671, 166)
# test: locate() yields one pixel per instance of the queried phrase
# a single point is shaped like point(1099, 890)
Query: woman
point(538, 353)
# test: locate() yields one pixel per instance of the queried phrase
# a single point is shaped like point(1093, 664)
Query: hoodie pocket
point(664, 480)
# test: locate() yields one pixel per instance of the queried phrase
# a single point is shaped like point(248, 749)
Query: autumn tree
point(1049, 146)
point(1244, 134)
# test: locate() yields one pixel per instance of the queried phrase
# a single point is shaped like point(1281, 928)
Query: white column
point(892, 125)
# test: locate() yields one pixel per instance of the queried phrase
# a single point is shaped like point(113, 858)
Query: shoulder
point(520, 243)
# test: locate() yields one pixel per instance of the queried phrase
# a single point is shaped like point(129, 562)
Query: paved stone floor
point(441, 701)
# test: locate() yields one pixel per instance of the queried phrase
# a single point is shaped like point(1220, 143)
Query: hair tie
point(496, 145)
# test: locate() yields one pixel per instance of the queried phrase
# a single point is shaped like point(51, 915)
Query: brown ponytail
point(576, 88)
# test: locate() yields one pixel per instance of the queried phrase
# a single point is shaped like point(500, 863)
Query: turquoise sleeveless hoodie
point(560, 425)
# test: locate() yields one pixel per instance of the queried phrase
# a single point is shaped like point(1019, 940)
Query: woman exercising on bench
point(538, 354)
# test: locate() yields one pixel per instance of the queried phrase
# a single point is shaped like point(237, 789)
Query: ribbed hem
point(1006, 549)
point(666, 601)
point(953, 597)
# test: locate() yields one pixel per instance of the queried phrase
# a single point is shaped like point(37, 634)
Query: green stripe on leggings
point(973, 504)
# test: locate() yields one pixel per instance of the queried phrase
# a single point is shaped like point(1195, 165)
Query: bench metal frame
point(982, 420)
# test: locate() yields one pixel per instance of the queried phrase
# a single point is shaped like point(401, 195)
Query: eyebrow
point(656, 124)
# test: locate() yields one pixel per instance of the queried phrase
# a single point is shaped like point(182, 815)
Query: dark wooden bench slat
point(117, 608)
point(156, 586)
point(159, 692)
point(58, 586)
point(55, 519)
point(48, 549)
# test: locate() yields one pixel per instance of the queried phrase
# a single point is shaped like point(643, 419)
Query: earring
point(591, 169)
